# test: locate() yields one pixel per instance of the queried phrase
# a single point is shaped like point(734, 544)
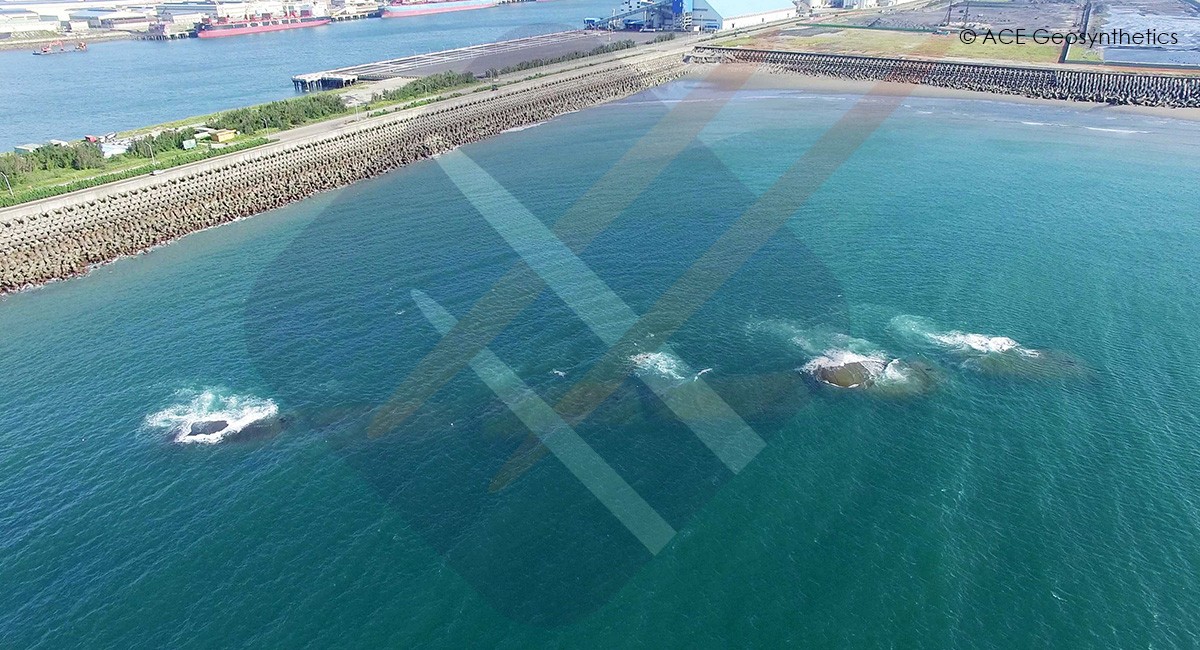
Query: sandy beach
point(791, 81)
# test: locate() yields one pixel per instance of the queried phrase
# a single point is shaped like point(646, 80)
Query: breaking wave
point(846, 369)
point(844, 361)
point(924, 331)
point(208, 417)
point(1113, 130)
point(817, 341)
point(992, 355)
point(660, 363)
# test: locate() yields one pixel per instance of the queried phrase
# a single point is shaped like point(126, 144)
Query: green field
point(45, 183)
point(1082, 54)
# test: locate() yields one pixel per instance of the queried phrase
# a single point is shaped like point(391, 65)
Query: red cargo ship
point(255, 24)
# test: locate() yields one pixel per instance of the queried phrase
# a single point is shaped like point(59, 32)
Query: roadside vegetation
point(430, 85)
point(280, 115)
point(57, 164)
point(1084, 54)
point(38, 185)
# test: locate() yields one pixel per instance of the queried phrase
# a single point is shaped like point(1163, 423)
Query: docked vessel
point(62, 49)
point(216, 28)
point(403, 8)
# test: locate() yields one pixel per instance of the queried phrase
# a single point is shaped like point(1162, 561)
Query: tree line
point(428, 85)
point(87, 155)
point(47, 191)
point(283, 114)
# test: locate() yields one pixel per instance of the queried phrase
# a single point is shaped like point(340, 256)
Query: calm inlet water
point(130, 84)
point(1023, 476)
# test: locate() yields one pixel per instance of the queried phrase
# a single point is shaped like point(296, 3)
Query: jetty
point(1074, 83)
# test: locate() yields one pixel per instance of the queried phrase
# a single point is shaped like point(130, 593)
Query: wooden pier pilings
point(1046, 83)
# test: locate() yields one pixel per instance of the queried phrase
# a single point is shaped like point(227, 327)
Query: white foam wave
point(661, 363)
point(831, 351)
point(978, 342)
point(875, 365)
point(815, 340)
point(1110, 130)
point(523, 127)
point(896, 372)
point(924, 330)
point(236, 411)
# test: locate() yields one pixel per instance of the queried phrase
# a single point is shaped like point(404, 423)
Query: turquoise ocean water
point(1025, 477)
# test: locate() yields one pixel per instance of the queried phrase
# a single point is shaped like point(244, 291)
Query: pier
point(323, 81)
point(343, 15)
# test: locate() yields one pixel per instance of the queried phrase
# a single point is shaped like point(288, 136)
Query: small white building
point(107, 18)
point(238, 9)
point(110, 149)
point(734, 14)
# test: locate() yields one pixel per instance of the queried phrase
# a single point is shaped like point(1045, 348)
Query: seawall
point(1045, 83)
point(65, 236)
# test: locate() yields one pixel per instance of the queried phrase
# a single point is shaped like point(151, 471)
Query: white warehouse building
point(735, 14)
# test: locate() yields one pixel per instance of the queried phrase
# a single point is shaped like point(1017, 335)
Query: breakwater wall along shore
point(1044, 83)
point(63, 237)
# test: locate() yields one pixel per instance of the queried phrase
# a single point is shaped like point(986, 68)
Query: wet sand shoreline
point(770, 80)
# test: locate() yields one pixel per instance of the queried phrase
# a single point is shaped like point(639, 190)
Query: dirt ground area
point(934, 26)
point(1059, 15)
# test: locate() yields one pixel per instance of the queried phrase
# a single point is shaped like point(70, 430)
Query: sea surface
point(1019, 281)
point(129, 84)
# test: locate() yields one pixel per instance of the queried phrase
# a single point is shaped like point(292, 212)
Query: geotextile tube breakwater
point(1044, 83)
point(65, 236)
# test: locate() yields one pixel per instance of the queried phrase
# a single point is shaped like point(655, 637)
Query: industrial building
point(693, 15)
point(718, 15)
point(16, 21)
point(109, 18)
point(239, 9)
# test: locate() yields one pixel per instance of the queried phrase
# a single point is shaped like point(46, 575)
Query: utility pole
point(150, 145)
